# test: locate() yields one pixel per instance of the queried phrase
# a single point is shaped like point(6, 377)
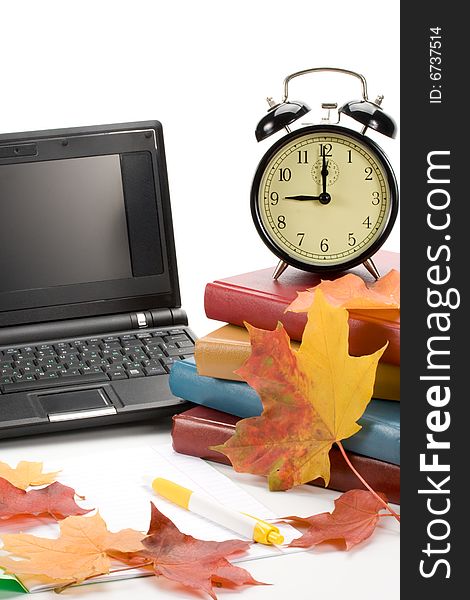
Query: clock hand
point(302, 197)
point(324, 196)
point(324, 174)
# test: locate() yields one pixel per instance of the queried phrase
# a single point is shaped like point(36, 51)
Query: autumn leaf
point(26, 474)
point(81, 551)
point(311, 399)
point(56, 500)
point(198, 564)
point(353, 520)
point(351, 292)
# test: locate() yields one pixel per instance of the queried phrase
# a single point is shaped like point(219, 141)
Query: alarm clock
point(324, 197)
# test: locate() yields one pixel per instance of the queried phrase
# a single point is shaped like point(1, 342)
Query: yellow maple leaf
point(26, 473)
point(311, 399)
point(81, 551)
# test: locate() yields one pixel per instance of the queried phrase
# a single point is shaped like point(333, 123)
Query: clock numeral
point(324, 247)
point(301, 238)
point(302, 157)
point(375, 198)
point(285, 174)
point(367, 222)
point(325, 150)
point(351, 240)
point(349, 156)
point(281, 222)
point(368, 172)
point(274, 198)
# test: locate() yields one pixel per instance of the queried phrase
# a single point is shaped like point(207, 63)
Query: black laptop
point(90, 312)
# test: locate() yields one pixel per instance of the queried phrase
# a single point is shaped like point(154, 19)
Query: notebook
point(90, 309)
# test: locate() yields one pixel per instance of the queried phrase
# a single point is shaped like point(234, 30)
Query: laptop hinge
point(163, 317)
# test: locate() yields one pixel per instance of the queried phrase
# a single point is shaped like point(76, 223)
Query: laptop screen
point(67, 222)
point(85, 224)
point(63, 222)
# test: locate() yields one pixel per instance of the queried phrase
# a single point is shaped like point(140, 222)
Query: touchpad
point(65, 402)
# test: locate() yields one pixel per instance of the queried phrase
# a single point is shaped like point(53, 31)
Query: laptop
point(90, 311)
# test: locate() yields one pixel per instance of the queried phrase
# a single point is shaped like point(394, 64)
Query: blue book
point(379, 437)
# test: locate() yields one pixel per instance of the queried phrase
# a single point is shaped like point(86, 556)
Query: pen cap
point(266, 533)
point(172, 491)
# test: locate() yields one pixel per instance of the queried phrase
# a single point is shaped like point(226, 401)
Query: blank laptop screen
point(66, 222)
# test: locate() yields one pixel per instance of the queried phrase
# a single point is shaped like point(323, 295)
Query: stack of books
point(208, 380)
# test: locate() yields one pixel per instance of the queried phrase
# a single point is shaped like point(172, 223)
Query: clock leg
point(279, 270)
point(370, 266)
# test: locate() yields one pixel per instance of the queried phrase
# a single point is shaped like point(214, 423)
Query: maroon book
point(196, 429)
point(261, 301)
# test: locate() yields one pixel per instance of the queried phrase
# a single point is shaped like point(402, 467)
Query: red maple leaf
point(353, 520)
point(56, 500)
point(195, 563)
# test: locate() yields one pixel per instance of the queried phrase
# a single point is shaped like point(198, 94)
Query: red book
point(261, 301)
point(198, 428)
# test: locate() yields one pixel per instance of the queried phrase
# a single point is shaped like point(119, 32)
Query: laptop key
point(177, 351)
point(167, 361)
point(135, 373)
point(24, 386)
point(185, 344)
point(113, 375)
point(176, 338)
point(158, 370)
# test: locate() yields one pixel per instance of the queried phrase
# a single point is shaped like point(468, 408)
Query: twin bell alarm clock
point(324, 196)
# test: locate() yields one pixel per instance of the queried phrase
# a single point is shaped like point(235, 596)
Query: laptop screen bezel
point(104, 297)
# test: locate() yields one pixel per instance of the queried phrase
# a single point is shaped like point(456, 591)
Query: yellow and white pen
point(243, 524)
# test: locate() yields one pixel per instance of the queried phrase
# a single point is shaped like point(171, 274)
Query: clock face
point(324, 197)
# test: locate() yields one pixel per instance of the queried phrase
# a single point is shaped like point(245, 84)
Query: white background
point(203, 68)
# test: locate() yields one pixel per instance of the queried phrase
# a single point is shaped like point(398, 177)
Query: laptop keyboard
point(92, 359)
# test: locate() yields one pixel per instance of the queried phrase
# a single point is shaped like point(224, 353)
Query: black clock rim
point(356, 260)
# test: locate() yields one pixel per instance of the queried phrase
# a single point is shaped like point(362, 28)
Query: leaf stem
point(364, 482)
point(61, 588)
point(145, 564)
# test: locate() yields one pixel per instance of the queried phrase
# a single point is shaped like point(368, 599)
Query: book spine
point(216, 358)
point(378, 438)
point(234, 397)
point(220, 359)
point(236, 305)
point(193, 436)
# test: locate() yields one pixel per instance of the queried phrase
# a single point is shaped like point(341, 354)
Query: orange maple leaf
point(351, 292)
point(311, 399)
point(81, 551)
point(26, 473)
point(353, 520)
